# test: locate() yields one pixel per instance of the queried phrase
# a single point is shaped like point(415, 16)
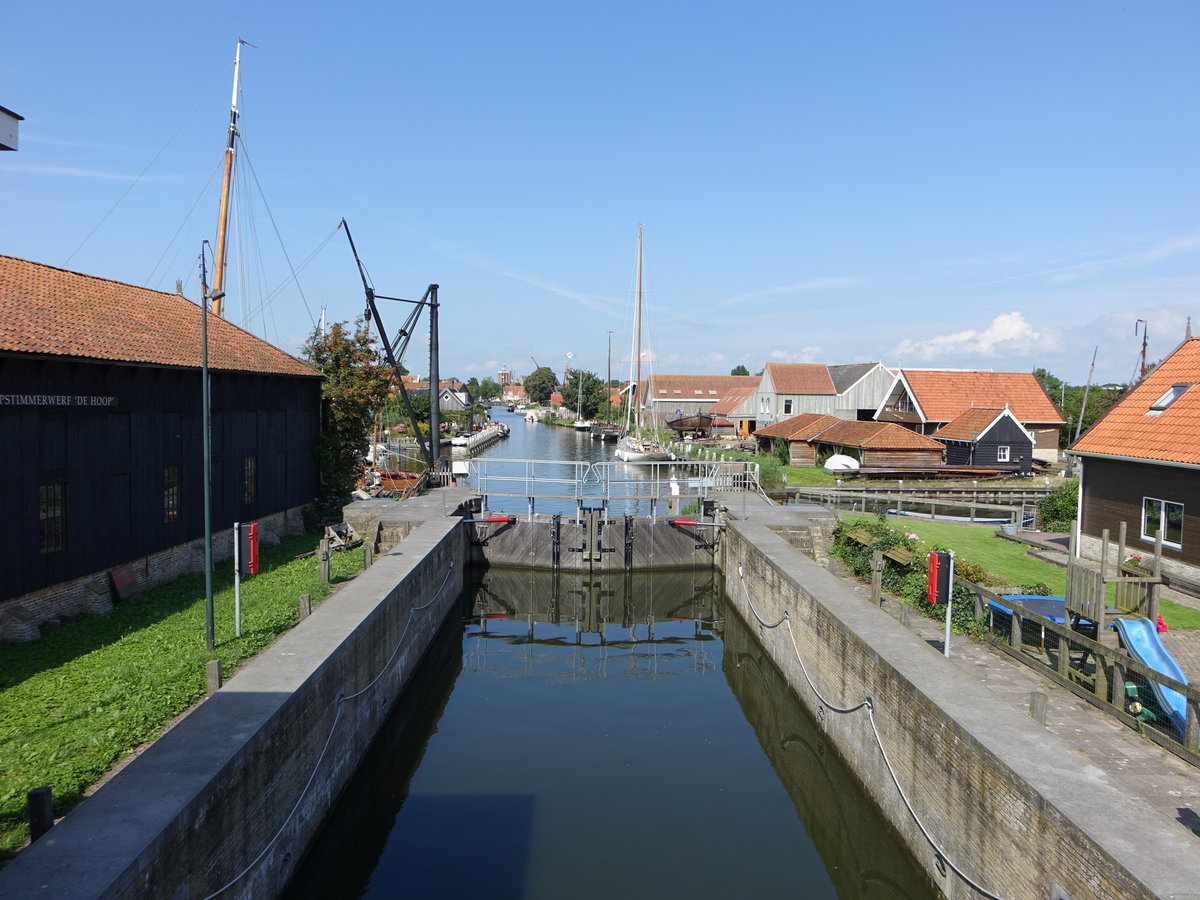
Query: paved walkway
point(1138, 766)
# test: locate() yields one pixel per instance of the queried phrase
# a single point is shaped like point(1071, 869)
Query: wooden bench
point(900, 555)
point(863, 537)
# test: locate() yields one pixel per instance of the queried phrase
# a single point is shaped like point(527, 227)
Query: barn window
point(1165, 516)
point(787, 407)
point(1002, 454)
point(52, 516)
point(250, 480)
point(171, 493)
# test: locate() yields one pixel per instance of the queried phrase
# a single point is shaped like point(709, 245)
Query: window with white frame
point(1002, 453)
point(1165, 516)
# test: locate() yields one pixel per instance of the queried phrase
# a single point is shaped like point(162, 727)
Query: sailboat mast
point(637, 350)
point(223, 216)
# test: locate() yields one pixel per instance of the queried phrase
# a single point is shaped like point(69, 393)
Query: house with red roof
point(1140, 464)
point(785, 390)
point(101, 432)
point(926, 400)
point(879, 445)
point(987, 438)
point(799, 432)
point(666, 396)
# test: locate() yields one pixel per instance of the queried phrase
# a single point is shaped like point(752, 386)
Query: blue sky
point(1001, 185)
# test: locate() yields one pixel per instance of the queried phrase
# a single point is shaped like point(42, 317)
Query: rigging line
point(868, 704)
point(182, 225)
point(271, 216)
point(138, 179)
point(300, 268)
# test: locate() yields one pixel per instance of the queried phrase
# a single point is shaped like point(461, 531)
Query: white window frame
point(1003, 453)
point(1148, 534)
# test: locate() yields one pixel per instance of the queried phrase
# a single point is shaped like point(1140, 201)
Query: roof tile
point(945, 395)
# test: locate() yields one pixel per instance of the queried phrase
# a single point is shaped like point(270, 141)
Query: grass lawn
point(808, 476)
point(86, 694)
point(979, 544)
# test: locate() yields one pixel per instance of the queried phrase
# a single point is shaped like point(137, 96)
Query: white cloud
point(1007, 335)
point(803, 355)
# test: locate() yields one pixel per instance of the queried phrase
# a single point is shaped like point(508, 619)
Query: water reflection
point(573, 736)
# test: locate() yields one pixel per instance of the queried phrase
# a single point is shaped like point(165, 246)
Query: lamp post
point(206, 443)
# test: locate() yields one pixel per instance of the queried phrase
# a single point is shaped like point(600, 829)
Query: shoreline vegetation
point(85, 696)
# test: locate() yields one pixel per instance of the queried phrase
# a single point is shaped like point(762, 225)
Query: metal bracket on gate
point(555, 539)
point(506, 521)
point(701, 543)
point(630, 528)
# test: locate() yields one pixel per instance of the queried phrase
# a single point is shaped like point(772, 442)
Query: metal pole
point(206, 405)
point(237, 578)
point(435, 387)
point(949, 604)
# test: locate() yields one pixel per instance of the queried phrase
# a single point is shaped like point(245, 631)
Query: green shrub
point(1060, 509)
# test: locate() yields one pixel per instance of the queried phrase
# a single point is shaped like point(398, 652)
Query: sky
point(1000, 185)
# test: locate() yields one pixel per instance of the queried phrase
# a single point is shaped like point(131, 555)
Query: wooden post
point(1014, 630)
point(1064, 655)
point(877, 577)
point(41, 812)
point(323, 554)
point(305, 606)
point(1191, 728)
point(1101, 689)
point(1037, 706)
point(1118, 685)
point(212, 675)
point(368, 554)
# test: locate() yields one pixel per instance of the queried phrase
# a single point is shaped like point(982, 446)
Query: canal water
point(616, 736)
point(583, 736)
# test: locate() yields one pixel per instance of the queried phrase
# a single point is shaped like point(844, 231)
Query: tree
point(593, 393)
point(1068, 399)
point(740, 370)
point(356, 386)
point(487, 390)
point(540, 384)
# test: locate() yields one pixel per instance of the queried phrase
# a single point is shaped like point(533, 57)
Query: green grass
point(1010, 560)
point(86, 694)
point(808, 476)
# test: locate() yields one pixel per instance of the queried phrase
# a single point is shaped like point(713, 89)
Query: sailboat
point(633, 447)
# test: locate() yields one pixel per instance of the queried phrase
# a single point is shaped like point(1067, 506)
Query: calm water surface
point(617, 736)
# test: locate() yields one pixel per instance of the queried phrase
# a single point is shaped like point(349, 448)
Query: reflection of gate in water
point(648, 488)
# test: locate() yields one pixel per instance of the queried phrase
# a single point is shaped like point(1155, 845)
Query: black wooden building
point(990, 438)
point(101, 454)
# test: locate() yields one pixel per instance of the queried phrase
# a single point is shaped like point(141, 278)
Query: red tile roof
point(877, 436)
point(696, 388)
point(49, 311)
point(731, 401)
point(969, 425)
point(1171, 436)
point(946, 395)
point(803, 427)
point(801, 378)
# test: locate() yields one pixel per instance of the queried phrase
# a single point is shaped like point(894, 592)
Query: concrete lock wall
point(1013, 807)
point(199, 807)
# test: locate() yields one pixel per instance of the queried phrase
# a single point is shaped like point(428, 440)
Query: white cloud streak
point(1007, 335)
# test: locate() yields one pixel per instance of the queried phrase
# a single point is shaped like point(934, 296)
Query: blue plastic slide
point(1141, 640)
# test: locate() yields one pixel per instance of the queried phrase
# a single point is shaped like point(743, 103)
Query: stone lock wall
point(1009, 804)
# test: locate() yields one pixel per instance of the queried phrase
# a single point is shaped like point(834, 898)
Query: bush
point(1060, 509)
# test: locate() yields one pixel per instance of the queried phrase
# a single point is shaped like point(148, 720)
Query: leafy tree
point(1068, 399)
point(593, 393)
point(1059, 509)
point(540, 384)
point(739, 370)
point(356, 385)
point(487, 390)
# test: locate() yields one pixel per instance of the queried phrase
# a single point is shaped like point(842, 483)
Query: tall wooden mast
point(637, 350)
point(223, 219)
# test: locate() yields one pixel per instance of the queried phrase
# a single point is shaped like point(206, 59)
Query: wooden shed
point(880, 445)
point(987, 437)
point(799, 432)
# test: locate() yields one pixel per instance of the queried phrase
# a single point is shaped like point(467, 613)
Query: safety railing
point(643, 488)
point(1074, 655)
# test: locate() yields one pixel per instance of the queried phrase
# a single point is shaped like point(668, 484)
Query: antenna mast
point(1145, 326)
point(223, 217)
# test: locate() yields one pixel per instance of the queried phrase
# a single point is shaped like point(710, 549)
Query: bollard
point(212, 675)
point(368, 555)
point(41, 812)
point(906, 615)
point(305, 606)
point(323, 554)
point(1037, 706)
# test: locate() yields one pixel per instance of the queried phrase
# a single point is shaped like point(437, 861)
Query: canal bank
point(988, 801)
point(226, 802)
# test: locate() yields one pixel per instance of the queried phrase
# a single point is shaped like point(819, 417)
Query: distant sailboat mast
point(637, 348)
point(218, 288)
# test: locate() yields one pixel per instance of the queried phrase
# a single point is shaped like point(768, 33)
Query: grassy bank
point(86, 694)
point(1010, 560)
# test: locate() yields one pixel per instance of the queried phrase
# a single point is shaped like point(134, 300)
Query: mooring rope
point(869, 704)
point(337, 717)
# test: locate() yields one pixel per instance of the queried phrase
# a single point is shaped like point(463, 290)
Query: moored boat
point(633, 447)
